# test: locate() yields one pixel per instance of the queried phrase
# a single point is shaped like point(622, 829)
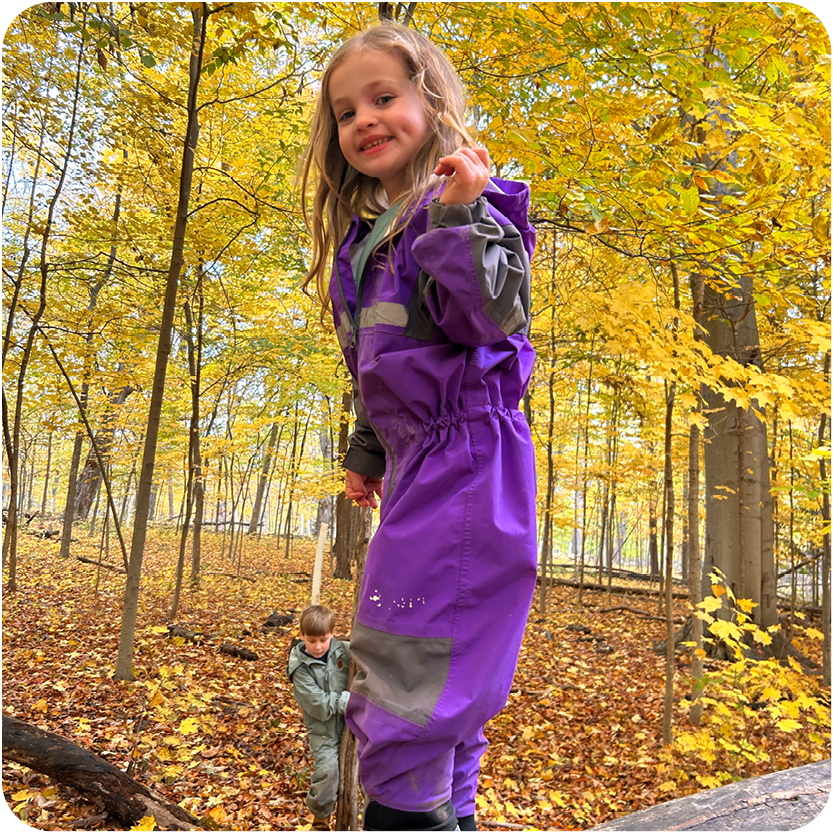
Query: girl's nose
point(366, 117)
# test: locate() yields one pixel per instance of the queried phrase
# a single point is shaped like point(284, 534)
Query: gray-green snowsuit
point(320, 688)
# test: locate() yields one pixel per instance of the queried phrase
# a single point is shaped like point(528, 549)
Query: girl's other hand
point(468, 172)
point(362, 489)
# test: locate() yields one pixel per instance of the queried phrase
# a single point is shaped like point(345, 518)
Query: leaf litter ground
point(579, 742)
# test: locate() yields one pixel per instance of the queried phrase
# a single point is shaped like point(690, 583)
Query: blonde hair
point(316, 620)
point(340, 190)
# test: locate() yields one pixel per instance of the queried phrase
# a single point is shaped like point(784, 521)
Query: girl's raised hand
point(468, 172)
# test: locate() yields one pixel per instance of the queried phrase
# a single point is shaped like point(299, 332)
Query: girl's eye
point(345, 115)
point(384, 99)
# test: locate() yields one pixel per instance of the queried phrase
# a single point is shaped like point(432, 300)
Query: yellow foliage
point(188, 726)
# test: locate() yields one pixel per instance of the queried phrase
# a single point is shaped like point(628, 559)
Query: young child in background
point(318, 670)
point(430, 293)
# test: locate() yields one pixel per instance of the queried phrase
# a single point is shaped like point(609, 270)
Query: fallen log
point(786, 800)
point(236, 651)
point(84, 560)
point(231, 575)
point(616, 588)
point(643, 613)
point(184, 633)
point(126, 800)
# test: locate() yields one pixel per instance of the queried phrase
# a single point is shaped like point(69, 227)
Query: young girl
point(430, 291)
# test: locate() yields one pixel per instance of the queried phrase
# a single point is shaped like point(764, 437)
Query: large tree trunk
point(738, 503)
point(89, 479)
point(124, 663)
point(125, 799)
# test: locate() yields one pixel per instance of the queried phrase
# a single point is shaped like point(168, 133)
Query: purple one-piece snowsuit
point(441, 360)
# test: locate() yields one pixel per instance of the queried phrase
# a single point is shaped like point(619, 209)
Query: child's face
point(317, 646)
point(381, 118)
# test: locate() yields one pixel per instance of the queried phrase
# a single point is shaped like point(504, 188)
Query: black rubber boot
point(379, 817)
point(466, 822)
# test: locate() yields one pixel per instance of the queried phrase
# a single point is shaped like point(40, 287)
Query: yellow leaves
point(145, 823)
point(690, 201)
point(157, 699)
point(662, 128)
point(598, 227)
point(710, 603)
point(746, 605)
point(820, 227)
point(709, 782)
point(788, 725)
point(165, 754)
point(559, 799)
point(761, 637)
point(188, 726)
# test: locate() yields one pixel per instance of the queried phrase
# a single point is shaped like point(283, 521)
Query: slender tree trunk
point(95, 512)
point(345, 508)
point(13, 446)
point(31, 465)
point(130, 475)
point(82, 412)
point(124, 665)
point(668, 480)
point(195, 453)
point(695, 563)
point(545, 576)
point(10, 532)
point(585, 464)
point(254, 524)
point(293, 469)
point(669, 566)
point(183, 540)
point(605, 508)
point(46, 475)
point(653, 544)
point(825, 544)
point(287, 530)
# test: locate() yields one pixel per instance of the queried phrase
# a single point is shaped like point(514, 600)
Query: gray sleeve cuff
point(365, 462)
point(457, 214)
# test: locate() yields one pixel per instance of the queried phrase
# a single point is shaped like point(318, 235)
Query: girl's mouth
point(375, 144)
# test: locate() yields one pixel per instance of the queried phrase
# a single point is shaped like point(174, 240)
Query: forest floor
point(579, 742)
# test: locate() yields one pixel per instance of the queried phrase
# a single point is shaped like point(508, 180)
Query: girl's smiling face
point(380, 116)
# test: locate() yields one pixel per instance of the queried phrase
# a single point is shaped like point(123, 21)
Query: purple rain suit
point(440, 362)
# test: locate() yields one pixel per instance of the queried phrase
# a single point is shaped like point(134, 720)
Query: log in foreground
point(126, 800)
point(783, 800)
